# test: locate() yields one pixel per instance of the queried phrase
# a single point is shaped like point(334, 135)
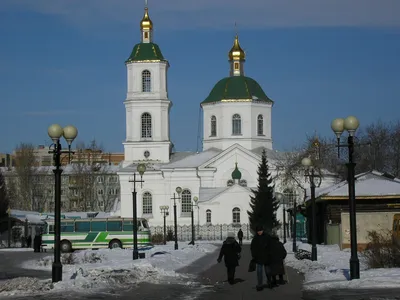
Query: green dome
point(237, 88)
point(145, 52)
point(236, 174)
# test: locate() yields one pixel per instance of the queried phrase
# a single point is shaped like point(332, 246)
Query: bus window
point(67, 227)
point(128, 226)
point(99, 225)
point(82, 226)
point(51, 228)
point(114, 226)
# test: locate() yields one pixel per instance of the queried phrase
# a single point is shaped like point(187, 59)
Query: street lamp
point(164, 211)
point(338, 126)
point(179, 191)
point(310, 173)
point(195, 199)
point(141, 168)
point(55, 132)
point(282, 200)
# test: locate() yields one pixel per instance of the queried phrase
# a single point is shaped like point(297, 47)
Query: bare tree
point(4, 199)
point(394, 154)
point(107, 188)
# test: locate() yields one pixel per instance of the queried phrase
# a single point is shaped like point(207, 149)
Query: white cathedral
point(216, 182)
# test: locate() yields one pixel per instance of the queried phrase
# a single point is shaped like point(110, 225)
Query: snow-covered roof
point(368, 184)
point(194, 160)
point(68, 169)
point(206, 194)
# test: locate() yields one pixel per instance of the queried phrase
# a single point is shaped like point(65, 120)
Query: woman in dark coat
point(278, 254)
point(230, 250)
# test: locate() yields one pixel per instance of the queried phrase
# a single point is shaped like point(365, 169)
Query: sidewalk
point(245, 288)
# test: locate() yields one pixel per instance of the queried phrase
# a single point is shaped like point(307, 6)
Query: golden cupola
point(236, 52)
point(146, 26)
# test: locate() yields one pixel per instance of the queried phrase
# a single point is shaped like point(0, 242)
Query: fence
point(204, 232)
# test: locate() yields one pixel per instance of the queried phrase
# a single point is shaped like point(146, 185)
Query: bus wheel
point(115, 244)
point(65, 247)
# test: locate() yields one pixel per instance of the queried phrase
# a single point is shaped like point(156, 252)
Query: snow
point(331, 270)
point(90, 270)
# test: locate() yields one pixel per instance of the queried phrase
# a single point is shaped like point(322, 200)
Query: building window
point(208, 216)
point(236, 215)
point(213, 126)
point(146, 81)
point(100, 179)
point(146, 35)
point(186, 202)
point(146, 125)
point(260, 125)
point(290, 196)
point(100, 192)
point(147, 203)
point(236, 125)
point(236, 66)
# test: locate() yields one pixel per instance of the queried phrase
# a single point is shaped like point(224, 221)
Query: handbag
point(252, 265)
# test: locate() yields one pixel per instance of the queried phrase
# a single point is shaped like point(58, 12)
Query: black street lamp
point(195, 199)
point(294, 225)
point(283, 201)
point(179, 191)
point(338, 126)
point(55, 132)
point(141, 168)
point(310, 173)
point(164, 211)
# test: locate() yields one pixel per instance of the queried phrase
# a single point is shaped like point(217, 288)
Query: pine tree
point(263, 204)
point(4, 200)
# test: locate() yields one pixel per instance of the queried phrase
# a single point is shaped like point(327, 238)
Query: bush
point(382, 251)
point(170, 235)
point(157, 239)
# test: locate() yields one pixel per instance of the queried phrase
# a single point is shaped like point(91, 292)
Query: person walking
point(278, 255)
point(230, 251)
point(240, 236)
point(260, 252)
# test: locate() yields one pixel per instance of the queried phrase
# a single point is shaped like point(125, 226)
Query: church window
point(260, 125)
point(243, 182)
point(236, 66)
point(147, 203)
point(208, 216)
point(213, 126)
point(290, 196)
point(146, 81)
point(186, 202)
point(146, 35)
point(236, 215)
point(146, 125)
point(236, 125)
point(230, 182)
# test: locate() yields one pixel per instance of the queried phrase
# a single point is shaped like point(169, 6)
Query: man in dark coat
point(278, 254)
point(230, 250)
point(260, 252)
point(240, 237)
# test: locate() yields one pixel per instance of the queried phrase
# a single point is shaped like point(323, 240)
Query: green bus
point(95, 233)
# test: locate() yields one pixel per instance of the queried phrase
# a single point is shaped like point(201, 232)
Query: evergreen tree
point(263, 204)
point(4, 200)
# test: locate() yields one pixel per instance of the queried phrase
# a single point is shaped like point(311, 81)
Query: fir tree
point(263, 204)
point(4, 200)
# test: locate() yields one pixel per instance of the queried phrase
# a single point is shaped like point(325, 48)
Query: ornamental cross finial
point(236, 32)
point(145, 3)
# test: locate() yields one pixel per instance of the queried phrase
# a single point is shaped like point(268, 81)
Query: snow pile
point(99, 269)
point(331, 270)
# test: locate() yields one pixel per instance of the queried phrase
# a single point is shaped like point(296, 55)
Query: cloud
point(220, 14)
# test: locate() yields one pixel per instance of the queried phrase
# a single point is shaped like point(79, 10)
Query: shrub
point(157, 239)
point(67, 259)
point(170, 235)
point(382, 251)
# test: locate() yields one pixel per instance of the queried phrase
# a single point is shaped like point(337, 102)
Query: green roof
point(145, 52)
point(237, 88)
point(236, 174)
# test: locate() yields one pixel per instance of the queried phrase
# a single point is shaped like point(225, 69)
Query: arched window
point(208, 215)
point(146, 81)
point(260, 125)
point(146, 125)
point(236, 125)
point(147, 203)
point(213, 126)
point(186, 198)
point(236, 215)
point(290, 196)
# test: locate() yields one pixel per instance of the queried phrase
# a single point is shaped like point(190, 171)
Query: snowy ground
point(331, 270)
point(97, 269)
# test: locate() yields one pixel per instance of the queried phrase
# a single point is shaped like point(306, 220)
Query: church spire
point(237, 58)
point(146, 26)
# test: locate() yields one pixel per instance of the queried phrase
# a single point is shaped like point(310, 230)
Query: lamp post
point(164, 211)
point(9, 229)
point(141, 168)
point(55, 132)
point(338, 126)
point(294, 225)
point(310, 173)
point(179, 191)
point(282, 199)
point(195, 199)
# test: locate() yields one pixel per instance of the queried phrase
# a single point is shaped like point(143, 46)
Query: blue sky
point(62, 61)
